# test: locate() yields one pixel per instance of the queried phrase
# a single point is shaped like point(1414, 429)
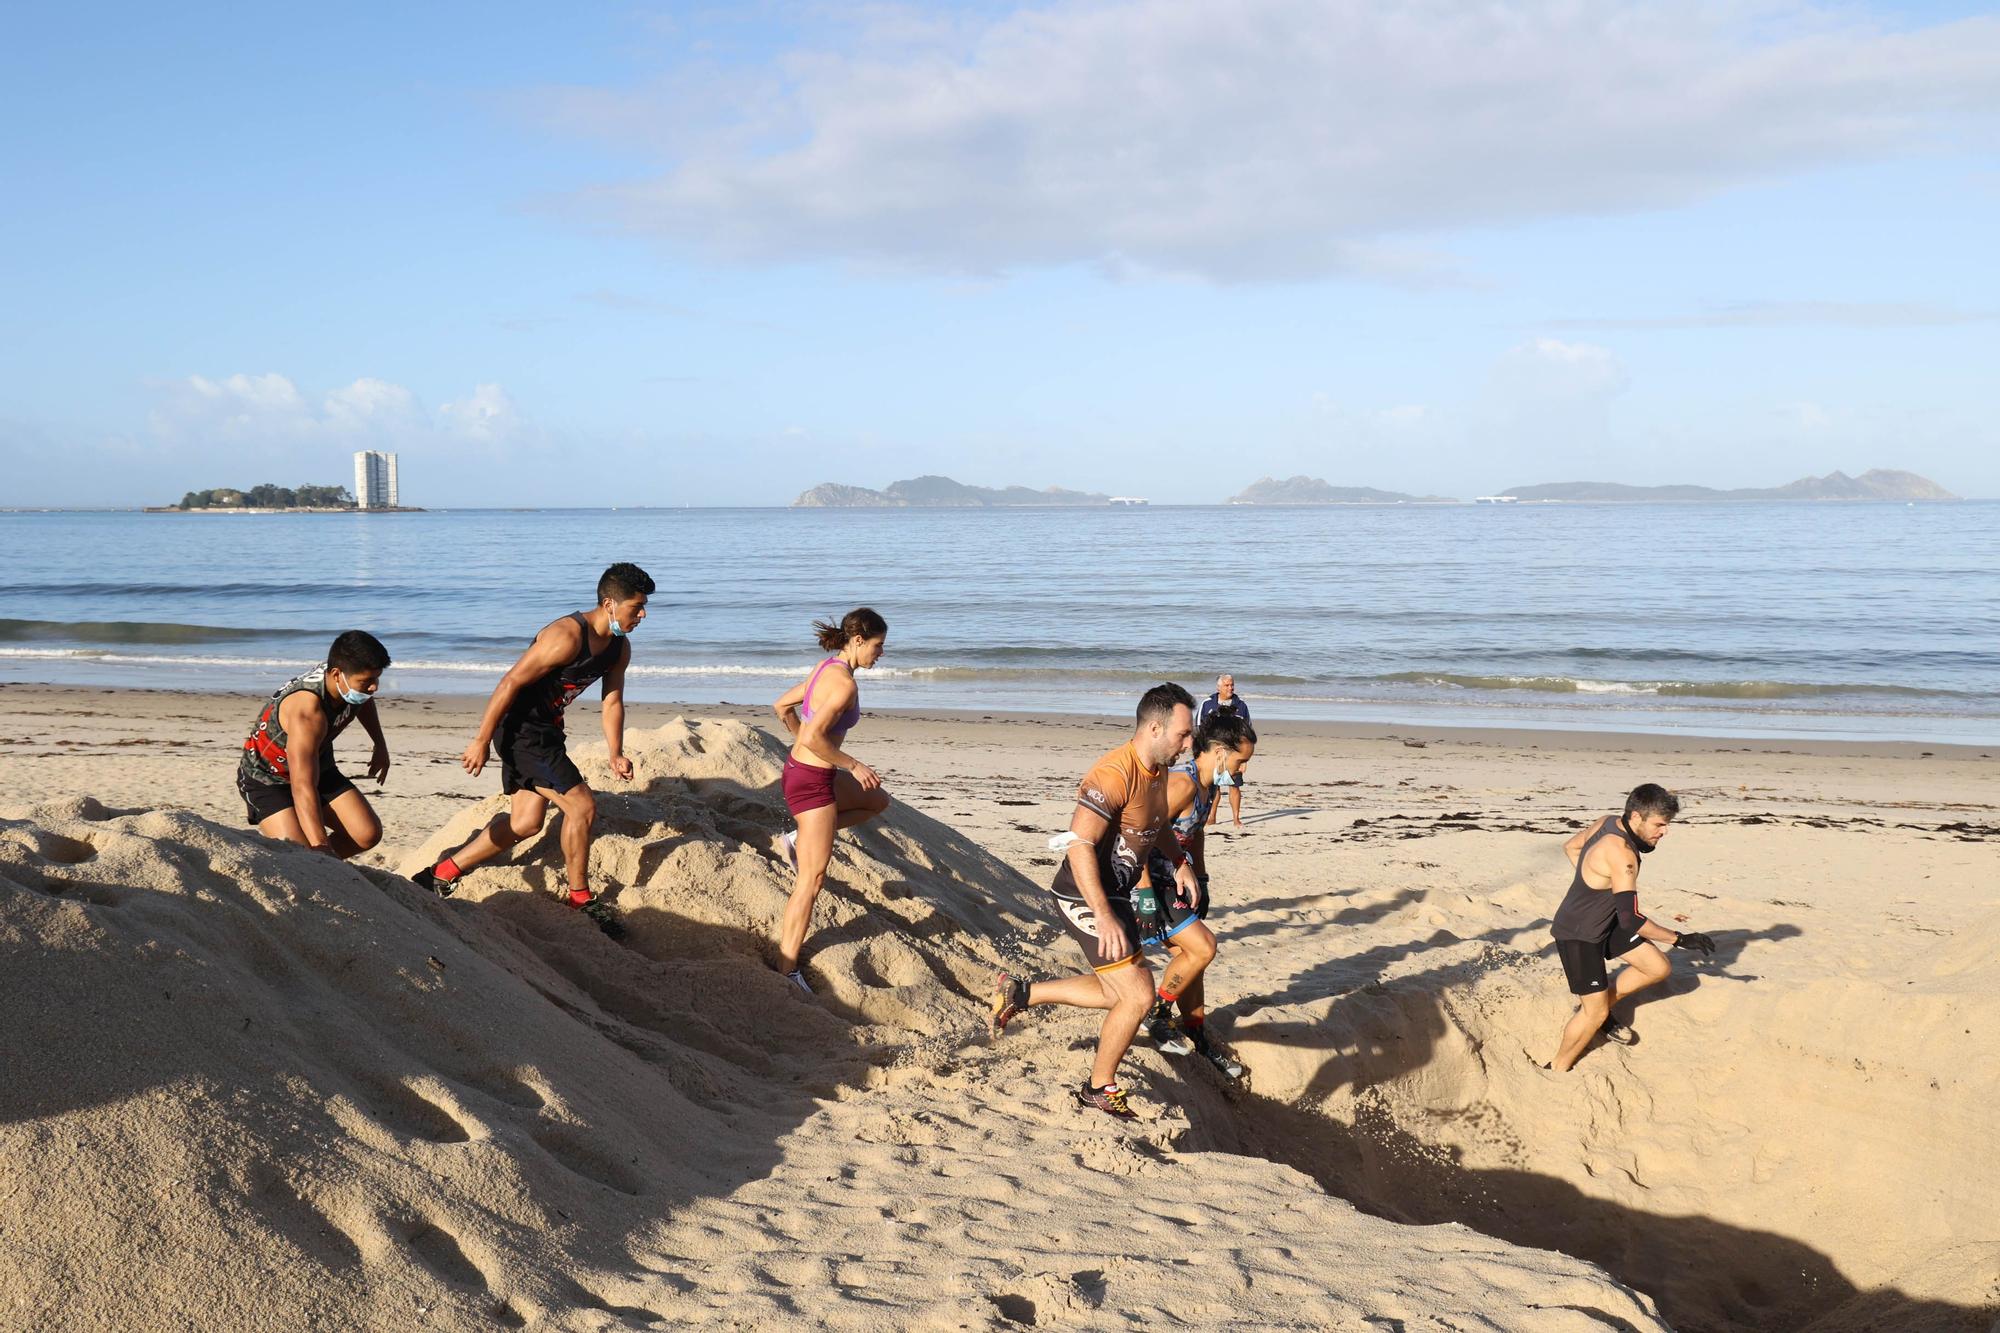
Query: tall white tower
point(375, 480)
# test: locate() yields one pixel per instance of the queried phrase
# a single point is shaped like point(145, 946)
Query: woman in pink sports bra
point(825, 788)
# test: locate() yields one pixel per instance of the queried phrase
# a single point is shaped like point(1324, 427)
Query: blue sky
point(714, 255)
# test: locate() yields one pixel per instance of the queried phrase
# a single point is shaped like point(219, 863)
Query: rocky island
point(1314, 491)
point(1876, 484)
point(940, 493)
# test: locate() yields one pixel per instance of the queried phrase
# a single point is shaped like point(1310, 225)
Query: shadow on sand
point(1705, 1274)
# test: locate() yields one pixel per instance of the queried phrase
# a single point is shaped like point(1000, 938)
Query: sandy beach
point(243, 1086)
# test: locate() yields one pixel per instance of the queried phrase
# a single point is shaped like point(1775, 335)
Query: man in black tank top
point(1600, 920)
point(525, 717)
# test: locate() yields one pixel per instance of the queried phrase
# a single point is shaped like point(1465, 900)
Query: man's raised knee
point(367, 836)
point(579, 806)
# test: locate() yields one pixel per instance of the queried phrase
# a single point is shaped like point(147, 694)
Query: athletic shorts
point(261, 800)
point(1081, 923)
point(806, 786)
point(535, 756)
point(1176, 915)
point(1585, 961)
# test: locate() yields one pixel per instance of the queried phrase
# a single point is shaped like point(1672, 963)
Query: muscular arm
point(1624, 872)
point(1091, 828)
point(556, 644)
point(378, 763)
point(305, 730)
point(786, 706)
point(614, 715)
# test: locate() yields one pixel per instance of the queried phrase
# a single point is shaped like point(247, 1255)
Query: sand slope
point(247, 1087)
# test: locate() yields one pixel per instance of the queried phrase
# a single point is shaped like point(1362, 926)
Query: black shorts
point(1175, 915)
point(1584, 961)
point(261, 800)
point(535, 755)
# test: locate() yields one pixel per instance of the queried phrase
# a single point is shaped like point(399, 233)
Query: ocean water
point(1866, 620)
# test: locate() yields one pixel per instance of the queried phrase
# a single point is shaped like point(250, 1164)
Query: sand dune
point(247, 1087)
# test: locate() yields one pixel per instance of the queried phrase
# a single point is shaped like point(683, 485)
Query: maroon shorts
point(806, 787)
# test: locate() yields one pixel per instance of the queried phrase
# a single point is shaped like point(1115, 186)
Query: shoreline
point(645, 713)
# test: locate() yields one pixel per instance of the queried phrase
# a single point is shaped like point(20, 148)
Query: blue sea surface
point(1832, 620)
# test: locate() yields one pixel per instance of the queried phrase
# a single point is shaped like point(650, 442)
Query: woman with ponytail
point(825, 788)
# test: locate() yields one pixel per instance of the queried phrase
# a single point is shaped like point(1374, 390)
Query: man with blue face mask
point(524, 717)
point(287, 777)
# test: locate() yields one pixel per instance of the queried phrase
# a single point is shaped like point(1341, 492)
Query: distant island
point(1878, 484)
point(270, 499)
point(943, 493)
point(1313, 491)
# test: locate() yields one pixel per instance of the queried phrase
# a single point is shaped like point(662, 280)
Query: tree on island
point(270, 496)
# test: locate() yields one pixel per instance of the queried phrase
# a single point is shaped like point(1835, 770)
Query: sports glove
point(1694, 939)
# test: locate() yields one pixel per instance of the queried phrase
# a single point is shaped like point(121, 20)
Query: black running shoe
point(1010, 997)
point(1164, 1032)
point(605, 915)
point(427, 880)
point(1618, 1033)
point(1208, 1050)
point(1109, 1099)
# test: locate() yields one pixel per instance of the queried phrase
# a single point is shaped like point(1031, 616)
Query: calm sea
point(1755, 620)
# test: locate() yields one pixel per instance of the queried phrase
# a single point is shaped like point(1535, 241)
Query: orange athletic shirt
point(1120, 788)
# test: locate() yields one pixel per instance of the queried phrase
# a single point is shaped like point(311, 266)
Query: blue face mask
point(618, 631)
point(356, 698)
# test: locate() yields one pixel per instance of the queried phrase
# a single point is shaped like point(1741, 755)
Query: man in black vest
point(525, 716)
point(1599, 921)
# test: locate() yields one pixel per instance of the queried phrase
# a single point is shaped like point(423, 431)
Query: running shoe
point(797, 977)
point(790, 842)
point(604, 914)
point(1618, 1033)
point(1214, 1054)
point(1010, 997)
point(1165, 1033)
point(1109, 1099)
point(427, 880)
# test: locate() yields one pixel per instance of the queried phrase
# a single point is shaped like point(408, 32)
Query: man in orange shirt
point(1119, 822)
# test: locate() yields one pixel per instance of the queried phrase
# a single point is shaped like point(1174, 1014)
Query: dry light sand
point(245, 1087)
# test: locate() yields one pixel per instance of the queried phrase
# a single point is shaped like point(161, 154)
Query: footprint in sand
point(408, 1112)
point(581, 1156)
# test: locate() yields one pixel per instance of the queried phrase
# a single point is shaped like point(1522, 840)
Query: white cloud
point(1551, 368)
point(271, 411)
point(1267, 139)
point(486, 415)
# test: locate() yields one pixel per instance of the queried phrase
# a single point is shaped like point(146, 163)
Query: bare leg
point(815, 851)
point(1128, 993)
point(1193, 949)
point(1644, 966)
point(523, 820)
point(579, 811)
point(351, 824)
point(1591, 1011)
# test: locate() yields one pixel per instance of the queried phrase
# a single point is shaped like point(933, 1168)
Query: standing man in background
point(1229, 776)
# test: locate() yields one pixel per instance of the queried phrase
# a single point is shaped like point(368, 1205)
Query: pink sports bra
point(847, 720)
